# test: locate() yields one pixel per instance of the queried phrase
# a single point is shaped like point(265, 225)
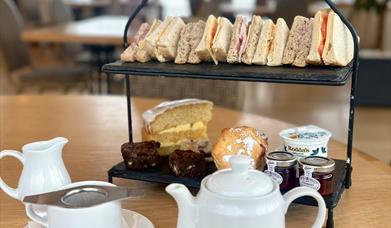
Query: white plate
point(131, 219)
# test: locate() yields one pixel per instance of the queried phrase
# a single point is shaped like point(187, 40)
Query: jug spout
point(58, 142)
point(186, 205)
point(53, 145)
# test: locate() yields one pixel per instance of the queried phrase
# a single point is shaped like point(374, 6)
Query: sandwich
point(167, 43)
point(153, 38)
point(190, 37)
point(254, 31)
point(204, 48)
point(129, 54)
point(197, 32)
point(142, 54)
point(274, 58)
point(238, 40)
point(318, 38)
point(264, 43)
point(299, 42)
point(332, 43)
point(221, 40)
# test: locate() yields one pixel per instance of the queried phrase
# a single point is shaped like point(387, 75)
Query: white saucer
point(131, 219)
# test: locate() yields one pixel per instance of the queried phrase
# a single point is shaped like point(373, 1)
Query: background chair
point(20, 71)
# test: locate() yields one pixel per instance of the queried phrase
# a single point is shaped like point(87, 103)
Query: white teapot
point(239, 197)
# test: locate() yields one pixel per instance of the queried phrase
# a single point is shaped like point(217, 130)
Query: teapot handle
point(298, 192)
point(14, 193)
point(35, 217)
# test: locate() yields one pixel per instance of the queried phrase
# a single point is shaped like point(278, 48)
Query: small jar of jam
point(318, 173)
point(281, 166)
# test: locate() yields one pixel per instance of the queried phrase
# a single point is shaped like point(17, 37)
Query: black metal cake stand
point(312, 75)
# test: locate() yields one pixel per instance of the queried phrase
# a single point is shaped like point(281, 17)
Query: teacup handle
point(14, 193)
point(298, 192)
point(35, 217)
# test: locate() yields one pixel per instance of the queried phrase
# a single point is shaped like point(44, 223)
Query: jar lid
point(320, 164)
point(282, 158)
point(239, 181)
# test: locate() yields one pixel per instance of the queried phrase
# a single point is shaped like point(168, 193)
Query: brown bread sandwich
point(299, 42)
point(190, 37)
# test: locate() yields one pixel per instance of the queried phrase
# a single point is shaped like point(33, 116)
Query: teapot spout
point(186, 205)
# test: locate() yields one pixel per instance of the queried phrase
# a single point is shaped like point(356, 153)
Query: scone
point(180, 124)
point(239, 141)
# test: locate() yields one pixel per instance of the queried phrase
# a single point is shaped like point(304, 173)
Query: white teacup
point(100, 216)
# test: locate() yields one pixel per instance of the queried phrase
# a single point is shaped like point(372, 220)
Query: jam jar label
point(307, 179)
point(276, 177)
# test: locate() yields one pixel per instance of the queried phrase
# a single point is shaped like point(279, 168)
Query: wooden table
point(96, 127)
point(101, 33)
point(101, 30)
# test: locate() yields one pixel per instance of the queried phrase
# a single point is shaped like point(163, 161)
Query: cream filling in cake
point(185, 127)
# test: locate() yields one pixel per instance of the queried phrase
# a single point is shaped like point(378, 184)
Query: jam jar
point(318, 173)
point(281, 166)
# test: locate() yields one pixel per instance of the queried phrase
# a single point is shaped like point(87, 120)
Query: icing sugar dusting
point(249, 143)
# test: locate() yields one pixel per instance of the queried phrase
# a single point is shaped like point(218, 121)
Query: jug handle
point(298, 192)
point(36, 218)
point(14, 193)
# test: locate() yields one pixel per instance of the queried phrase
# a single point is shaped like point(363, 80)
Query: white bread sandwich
point(264, 43)
point(221, 40)
point(142, 54)
point(168, 41)
point(318, 37)
point(153, 38)
point(254, 32)
point(238, 40)
point(274, 58)
point(299, 42)
point(204, 48)
point(191, 35)
point(129, 54)
point(339, 47)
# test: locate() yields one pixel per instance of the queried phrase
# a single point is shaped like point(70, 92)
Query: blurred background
point(58, 47)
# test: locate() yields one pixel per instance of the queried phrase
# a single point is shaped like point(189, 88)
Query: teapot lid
point(239, 181)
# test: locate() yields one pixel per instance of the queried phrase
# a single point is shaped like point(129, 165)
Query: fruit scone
point(180, 124)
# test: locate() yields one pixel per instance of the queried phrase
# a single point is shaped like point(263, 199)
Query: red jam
point(317, 173)
point(281, 167)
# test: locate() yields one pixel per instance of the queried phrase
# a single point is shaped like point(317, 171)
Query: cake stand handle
point(131, 18)
point(348, 179)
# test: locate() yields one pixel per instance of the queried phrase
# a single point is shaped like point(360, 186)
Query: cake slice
point(180, 124)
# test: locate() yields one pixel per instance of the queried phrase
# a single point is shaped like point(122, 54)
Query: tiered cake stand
point(312, 75)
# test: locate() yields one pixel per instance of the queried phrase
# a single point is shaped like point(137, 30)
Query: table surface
point(96, 127)
point(100, 30)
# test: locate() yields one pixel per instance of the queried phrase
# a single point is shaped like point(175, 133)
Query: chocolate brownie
point(187, 163)
point(140, 155)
